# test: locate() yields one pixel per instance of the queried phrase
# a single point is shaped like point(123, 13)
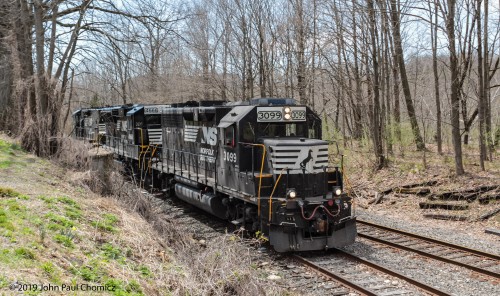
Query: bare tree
point(433, 22)
point(455, 87)
point(398, 48)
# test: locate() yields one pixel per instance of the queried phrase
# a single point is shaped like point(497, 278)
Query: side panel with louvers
point(154, 135)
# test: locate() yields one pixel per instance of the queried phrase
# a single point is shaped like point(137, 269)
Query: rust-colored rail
point(465, 250)
point(360, 289)
point(348, 283)
point(424, 287)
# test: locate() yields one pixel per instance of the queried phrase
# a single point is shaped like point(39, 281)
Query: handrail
point(271, 196)
point(261, 169)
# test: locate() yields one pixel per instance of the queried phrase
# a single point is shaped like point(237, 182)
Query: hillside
point(59, 236)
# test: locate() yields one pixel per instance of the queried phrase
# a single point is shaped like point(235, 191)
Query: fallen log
point(421, 184)
point(463, 194)
point(445, 217)
point(416, 191)
point(486, 198)
point(378, 199)
point(492, 231)
point(489, 214)
point(445, 206)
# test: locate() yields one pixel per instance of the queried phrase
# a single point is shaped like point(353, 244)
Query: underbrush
point(218, 268)
point(54, 229)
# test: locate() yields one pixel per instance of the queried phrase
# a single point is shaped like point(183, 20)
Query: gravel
point(446, 277)
point(449, 278)
point(468, 234)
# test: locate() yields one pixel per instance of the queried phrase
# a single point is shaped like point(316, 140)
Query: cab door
point(228, 171)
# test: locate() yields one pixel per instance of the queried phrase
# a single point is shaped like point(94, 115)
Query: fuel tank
point(208, 202)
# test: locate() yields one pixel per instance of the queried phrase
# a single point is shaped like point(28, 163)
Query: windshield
point(153, 119)
point(281, 129)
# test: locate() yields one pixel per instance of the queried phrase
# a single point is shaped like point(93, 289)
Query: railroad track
point(475, 260)
point(364, 277)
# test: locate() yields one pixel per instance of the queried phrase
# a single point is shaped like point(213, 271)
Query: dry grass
point(222, 267)
point(59, 231)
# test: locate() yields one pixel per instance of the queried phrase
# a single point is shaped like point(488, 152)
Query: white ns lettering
point(209, 135)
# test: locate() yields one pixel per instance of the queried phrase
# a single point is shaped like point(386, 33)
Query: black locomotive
point(260, 164)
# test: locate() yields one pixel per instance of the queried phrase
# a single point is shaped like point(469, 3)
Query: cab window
point(248, 133)
point(229, 137)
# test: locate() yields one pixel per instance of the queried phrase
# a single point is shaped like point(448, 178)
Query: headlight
point(287, 111)
point(292, 193)
point(338, 191)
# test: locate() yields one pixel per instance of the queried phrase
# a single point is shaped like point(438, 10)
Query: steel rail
point(360, 289)
point(430, 255)
point(432, 240)
point(350, 284)
point(426, 288)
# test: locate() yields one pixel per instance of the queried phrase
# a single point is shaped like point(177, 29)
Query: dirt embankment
point(57, 237)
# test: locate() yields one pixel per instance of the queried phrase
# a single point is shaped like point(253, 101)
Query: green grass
point(72, 213)
point(60, 220)
point(68, 201)
point(47, 199)
point(93, 271)
point(33, 231)
point(9, 155)
point(50, 270)
point(6, 147)
point(4, 221)
point(144, 270)
point(24, 253)
point(106, 224)
point(110, 251)
point(8, 192)
point(27, 231)
point(65, 238)
point(4, 282)
point(5, 256)
point(122, 289)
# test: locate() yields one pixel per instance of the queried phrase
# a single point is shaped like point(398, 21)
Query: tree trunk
point(301, 63)
point(481, 87)
point(402, 72)
point(434, 27)
point(387, 77)
point(376, 123)
point(454, 88)
point(357, 124)
point(487, 97)
point(262, 72)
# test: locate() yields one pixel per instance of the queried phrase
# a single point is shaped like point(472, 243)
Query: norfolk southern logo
point(208, 134)
point(306, 160)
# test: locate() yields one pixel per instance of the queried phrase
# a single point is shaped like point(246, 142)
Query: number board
point(276, 114)
point(158, 109)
